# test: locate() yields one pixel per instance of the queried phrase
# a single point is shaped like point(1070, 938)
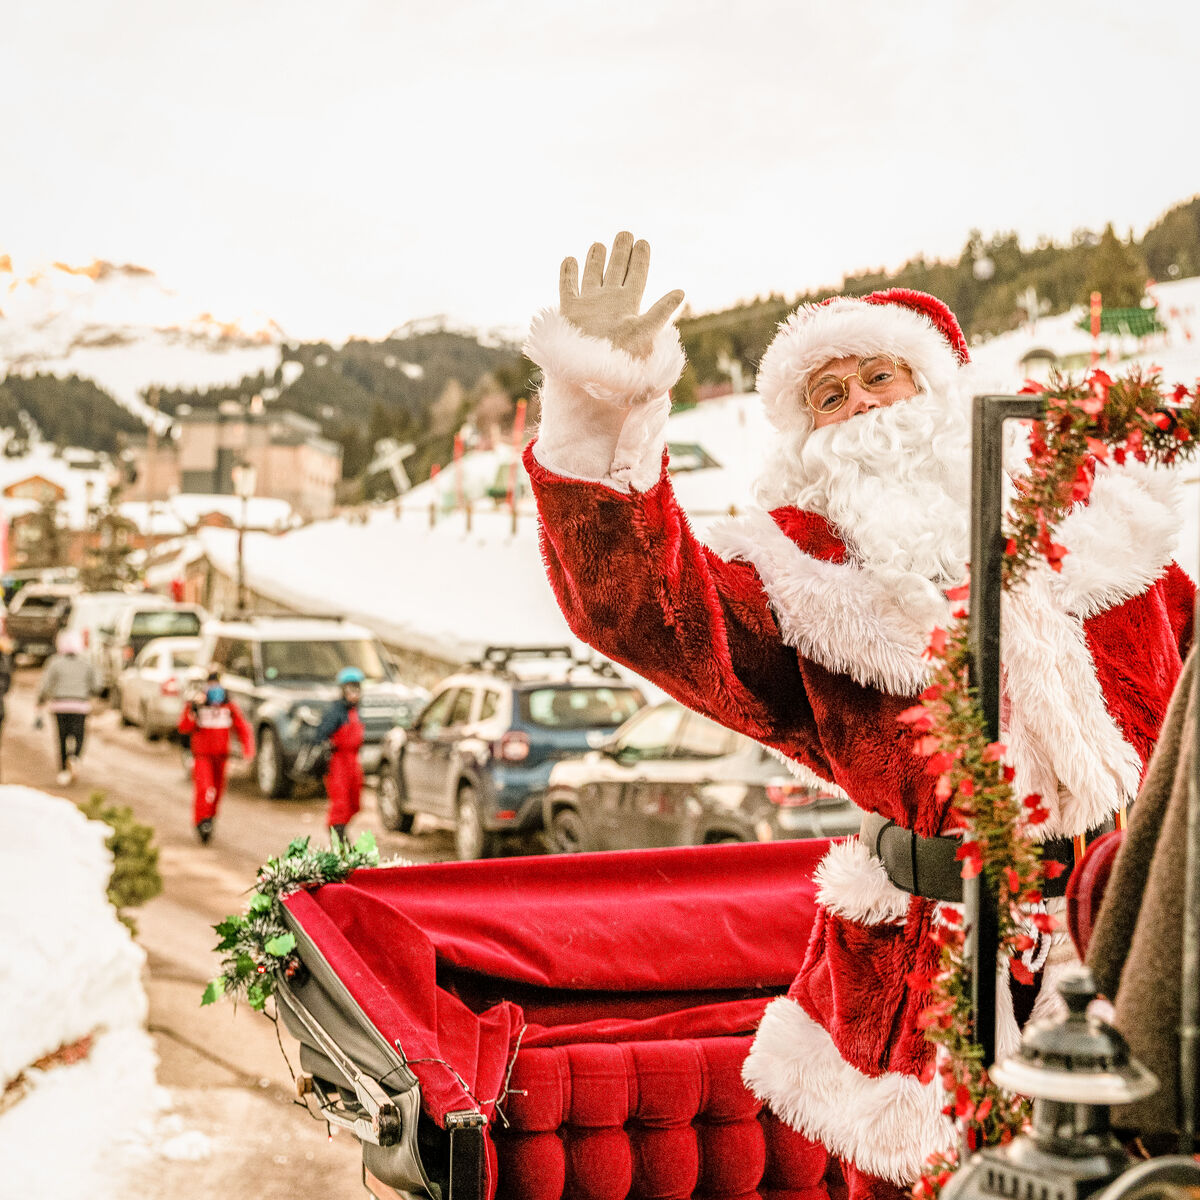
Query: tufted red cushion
point(663, 1119)
point(622, 989)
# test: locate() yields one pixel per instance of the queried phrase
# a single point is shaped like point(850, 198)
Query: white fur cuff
point(886, 1125)
point(597, 367)
point(853, 883)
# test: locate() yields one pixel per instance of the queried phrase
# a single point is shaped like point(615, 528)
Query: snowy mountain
point(121, 326)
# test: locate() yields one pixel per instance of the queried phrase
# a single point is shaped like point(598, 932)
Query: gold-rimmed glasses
point(877, 372)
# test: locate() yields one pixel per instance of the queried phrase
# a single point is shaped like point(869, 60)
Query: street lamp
point(245, 477)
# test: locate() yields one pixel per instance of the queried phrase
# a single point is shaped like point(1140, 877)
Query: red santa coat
point(773, 631)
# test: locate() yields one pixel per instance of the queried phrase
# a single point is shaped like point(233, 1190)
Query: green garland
point(257, 947)
point(1087, 422)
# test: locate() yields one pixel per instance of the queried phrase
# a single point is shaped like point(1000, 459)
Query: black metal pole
point(983, 634)
point(1189, 989)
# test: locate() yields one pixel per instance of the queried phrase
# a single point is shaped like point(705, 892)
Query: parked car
point(281, 672)
point(36, 616)
point(670, 777)
point(151, 617)
point(481, 751)
point(150, 691)
point(91, 614)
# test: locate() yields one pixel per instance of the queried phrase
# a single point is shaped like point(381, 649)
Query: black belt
point(928, 866)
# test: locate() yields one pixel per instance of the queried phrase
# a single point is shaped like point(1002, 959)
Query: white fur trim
point(805, 774)
point(887, 1125)
point(837, 614)
point(816, 334)
point(853, 883)
point(1121, 541)
point(603, 412)
point(1062, 742)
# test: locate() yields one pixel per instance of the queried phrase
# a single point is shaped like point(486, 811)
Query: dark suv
point(480, 752)
point(671, 777)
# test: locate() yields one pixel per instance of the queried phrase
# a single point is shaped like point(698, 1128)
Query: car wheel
point(390, 799)
point(567, 833)
point(268, 765)
point(119, 704)
point(471, 839)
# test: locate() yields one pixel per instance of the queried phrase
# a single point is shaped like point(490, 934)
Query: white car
point(151, 691)
point(139, 624)
point(91, 614)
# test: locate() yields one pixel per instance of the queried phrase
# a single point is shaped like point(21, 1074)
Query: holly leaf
point(366, 844)
point(282, 945)
point(257, 993)
point(297, 847)
point(230, 931)
point(259, 902)
point(243, 966)
point(213, 993)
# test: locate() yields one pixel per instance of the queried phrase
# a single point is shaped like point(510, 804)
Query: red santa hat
point(913, 327)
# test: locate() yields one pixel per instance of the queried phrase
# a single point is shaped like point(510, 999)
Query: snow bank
point(68, 968)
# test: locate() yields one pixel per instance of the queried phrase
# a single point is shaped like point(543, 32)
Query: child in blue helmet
point(342, 729)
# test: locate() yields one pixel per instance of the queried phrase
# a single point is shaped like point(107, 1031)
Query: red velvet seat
point(596, 1008)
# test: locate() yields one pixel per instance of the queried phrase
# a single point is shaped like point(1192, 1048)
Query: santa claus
point(804, 625)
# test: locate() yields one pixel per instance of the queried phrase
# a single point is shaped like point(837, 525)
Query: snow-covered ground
point(68, 970)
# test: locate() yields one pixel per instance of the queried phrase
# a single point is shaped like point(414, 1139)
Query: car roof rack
point(499, 658)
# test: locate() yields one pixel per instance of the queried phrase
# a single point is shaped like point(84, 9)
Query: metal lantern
point(1073, 1068)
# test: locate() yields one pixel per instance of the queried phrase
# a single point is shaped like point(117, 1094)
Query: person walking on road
point(342, 729)
point(207, 719)
point(68, 684)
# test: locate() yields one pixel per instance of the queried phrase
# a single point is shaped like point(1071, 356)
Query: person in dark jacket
point(207, 720)
point(68, 684)
point(342, 729)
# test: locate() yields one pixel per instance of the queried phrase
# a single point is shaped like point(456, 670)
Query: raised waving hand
point(605, 303)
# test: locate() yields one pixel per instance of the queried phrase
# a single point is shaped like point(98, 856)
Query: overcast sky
point(345, 167)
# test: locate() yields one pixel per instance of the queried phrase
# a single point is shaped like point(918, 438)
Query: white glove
point(606, 306)
point(608, 370)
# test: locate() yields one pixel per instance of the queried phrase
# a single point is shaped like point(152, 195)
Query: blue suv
point(479, 754)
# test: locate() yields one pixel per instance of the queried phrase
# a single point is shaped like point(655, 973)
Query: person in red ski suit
point(207, 720)
point(804, 625)
point(341, 728)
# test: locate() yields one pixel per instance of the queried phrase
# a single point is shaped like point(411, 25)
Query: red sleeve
point(187, 720)
point(1180, 593)
point(244, 732)
point(633, 581)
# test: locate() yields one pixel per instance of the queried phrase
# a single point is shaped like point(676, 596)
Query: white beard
point(895, 484)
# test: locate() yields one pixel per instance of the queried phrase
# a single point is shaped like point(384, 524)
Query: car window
point(434, 719)
point(490, 705)
point(652, 735)
point(181, 659)
point(240, 660)
point(148, 657)
point(164, 622)
point(220, 651)
point(287, 661)
point(702, 738)
point(460, 714)
point(576, 707)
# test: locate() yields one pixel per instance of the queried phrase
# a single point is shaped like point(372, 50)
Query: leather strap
point(927, 866)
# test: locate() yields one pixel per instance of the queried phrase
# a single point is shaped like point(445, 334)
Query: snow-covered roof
point(43, 461)
point(288, 629)
point(183, 511)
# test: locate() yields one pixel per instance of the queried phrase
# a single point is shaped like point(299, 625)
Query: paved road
point(225, 1070)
